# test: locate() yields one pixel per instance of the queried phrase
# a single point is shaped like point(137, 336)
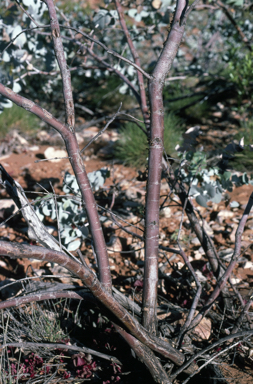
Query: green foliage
point(70, 213)
point(208, 184)
point(45, 327)
point(240, 72)
point(243, 161)
point(17, 118)
point(132, 147)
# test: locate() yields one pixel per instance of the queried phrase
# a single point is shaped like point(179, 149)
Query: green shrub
point(17, 118)
point(132, 147)
point(244, 161)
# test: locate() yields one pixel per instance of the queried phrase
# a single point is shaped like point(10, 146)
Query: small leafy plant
point(132, 147)
point(209, 183)
point(72, 219)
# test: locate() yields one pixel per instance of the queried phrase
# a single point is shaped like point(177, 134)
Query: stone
point(166, 212)
point(52, 153)
point(195, 241)
point(203, 330)
point(224, 214)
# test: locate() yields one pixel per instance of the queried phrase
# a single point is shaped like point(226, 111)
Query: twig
point(102, 130)
point(91, 281)
point(222, 281)
point(211, 359)
point(81, 177)
point(110, 51)
point(203, 351)
point(235, 25)
point(29, 345)
point(146, 356)
point(65, 73)
point(57, 216)
point(144, 106)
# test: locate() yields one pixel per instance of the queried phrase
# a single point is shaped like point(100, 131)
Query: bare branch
point(65, 73)
point(81, 177)
point(222, 281)
point(90, 280)
point(144, 106)
point(30, 345)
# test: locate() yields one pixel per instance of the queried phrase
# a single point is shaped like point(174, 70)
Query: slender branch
point(102, 130)
point(110, 51)
point(144, 107)
point(191, 313)
point(146, 356)
point(241, 317)
point(222, 281)
point(235, 25)
point(18, 250)
point(106, 65)
point(81, 177)
point(214, 345)
point(112, 69)
point(65, 73)
point(215, 356)
point(29, 345)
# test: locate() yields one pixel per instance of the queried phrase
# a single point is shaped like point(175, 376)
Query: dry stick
point(195, 301)
point(199, 288)
point(81, 177)
point(146, 356)
point(235, 25)
point(29, 345)
point(106, 65)
point(211, 359)
point(156, 85)
point(102, 130)
point(222, 281)
point(241, 317)
point(65, 73)
point(18, 250)
point(144, 107)
point(18, 301)
point(110, 51)
point(110, 69)
point(223, 340)
point(57, 216)
point(171, 250)
point(199, 230)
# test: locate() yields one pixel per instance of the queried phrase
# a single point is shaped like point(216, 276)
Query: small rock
point(224, 214)
point(203, 329)
point(195, 241)
point(166, 212)
point(197, 255)
point(34, 148)
point(200, 276)
point(43, 136)
point(226, 254)
point(21, 139)
point(248, 265)
point(52, 153)
point(114, 244)
point(218, 228)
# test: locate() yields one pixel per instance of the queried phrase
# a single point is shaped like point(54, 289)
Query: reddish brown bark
point(156, 85)
point(81, 177)
point(91, 281)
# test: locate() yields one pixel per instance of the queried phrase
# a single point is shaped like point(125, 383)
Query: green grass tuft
point(244, 161)
point(17, 118)
point(132, 147)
